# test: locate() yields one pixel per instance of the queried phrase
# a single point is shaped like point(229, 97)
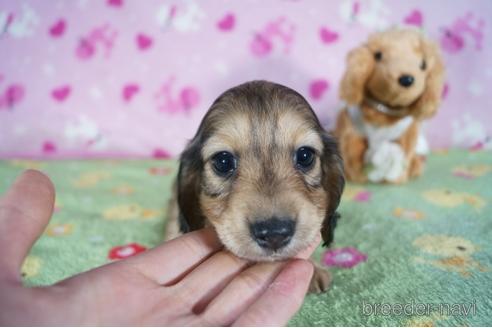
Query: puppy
point(392, 83)
point(262, 171)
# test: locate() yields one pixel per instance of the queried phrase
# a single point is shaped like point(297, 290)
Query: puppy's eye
point(304, 157)
point(224, 163)
point(378, 55)
point(423, 66)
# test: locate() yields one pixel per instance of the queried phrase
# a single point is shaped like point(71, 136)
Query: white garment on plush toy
point(386, 157)
point(422, 147)
point(387, 161)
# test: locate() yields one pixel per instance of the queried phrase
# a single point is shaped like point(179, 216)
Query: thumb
point(25, 210)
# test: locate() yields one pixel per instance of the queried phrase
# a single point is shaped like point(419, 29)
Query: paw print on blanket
point(160, 170)
point(472, 171)
point(449, 253)
point(450, 198)
point(123, 189)
point(30, 267)
point(129, 212)
point(26, 164)
point(57, 229)
point(90, 179)
point(431, 320)
point(409, 214)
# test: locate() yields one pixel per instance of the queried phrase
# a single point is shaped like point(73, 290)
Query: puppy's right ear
point(333, 181)
point(189, 181)
point(360, 64)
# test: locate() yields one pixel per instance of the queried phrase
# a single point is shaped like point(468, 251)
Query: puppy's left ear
point(333, 181)
point(428, 103)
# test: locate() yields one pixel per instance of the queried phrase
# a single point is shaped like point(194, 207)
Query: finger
point(245, 288)
point(240, 293)
point(170, 262)
point(209, 278)
point(25, 210)
point(282, 299)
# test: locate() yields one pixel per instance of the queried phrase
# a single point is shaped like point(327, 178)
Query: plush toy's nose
point(273, 233)
point(406, 80)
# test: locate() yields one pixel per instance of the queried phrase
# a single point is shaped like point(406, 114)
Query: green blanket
point(417, 254)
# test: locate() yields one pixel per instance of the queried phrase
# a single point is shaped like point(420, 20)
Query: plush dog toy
point(392, 83)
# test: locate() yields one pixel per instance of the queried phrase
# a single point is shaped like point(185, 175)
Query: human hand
point(187, 281)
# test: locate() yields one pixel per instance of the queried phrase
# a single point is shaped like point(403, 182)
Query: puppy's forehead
point(278, 126)
point(232, 132)
point(296, 130)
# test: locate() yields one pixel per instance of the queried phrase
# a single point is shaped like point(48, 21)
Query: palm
point(114, 294)
point(186, 281)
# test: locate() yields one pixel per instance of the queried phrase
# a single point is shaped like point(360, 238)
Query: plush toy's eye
point(423, 66)
point(378, 55)
point(304, 158)
point(224, 163)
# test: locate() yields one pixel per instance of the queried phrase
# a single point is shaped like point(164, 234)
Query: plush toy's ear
point(426, 106)
point(188, 187)
point(333, 182)
point(360, 64)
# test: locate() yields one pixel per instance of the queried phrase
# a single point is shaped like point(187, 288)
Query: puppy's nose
point(273, 233)
point(406, 80)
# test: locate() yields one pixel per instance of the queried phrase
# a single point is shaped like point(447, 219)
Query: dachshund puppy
point(262, 171)
point(392, 83)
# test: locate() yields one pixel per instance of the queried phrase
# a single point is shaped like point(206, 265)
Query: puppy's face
point(401, 67)
point(263, 173)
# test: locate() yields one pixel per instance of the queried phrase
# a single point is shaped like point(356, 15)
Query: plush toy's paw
point(416, 166)
point(320, 282)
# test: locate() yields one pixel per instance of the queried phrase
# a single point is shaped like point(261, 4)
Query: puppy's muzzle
point(273, 233)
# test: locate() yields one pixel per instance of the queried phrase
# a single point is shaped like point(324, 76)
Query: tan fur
point(402, 53)
point(262, 124)
point(320, 281)
point(172, 225)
